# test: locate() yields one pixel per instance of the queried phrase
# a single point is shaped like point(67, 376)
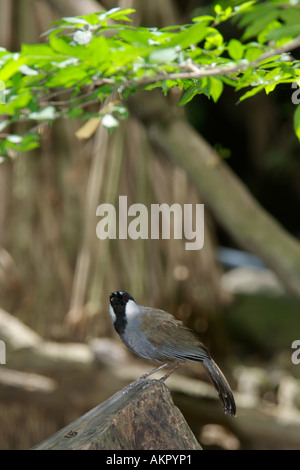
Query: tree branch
point(213, 71)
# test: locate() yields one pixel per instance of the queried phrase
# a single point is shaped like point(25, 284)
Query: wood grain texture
point(142, 416)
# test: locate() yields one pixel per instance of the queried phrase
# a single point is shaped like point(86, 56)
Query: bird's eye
point(126, 297)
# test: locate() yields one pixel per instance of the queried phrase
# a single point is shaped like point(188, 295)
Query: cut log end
point(142, 416)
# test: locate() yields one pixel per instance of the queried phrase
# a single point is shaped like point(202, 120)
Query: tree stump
point(142, 416)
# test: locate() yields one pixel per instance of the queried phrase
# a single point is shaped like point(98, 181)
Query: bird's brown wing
point(176, 342)
point(172, 338)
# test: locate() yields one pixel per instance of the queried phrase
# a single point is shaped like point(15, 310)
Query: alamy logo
point(296, 354)
point(155, 225)
point(2, 352)
point(296, 94)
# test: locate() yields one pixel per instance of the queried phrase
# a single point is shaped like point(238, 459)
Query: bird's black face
point(119, 299)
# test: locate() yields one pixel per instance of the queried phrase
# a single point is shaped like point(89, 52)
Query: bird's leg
point(144, 376)
point(165, 377)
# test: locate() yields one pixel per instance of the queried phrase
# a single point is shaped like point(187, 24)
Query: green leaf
point(213, 39)
point(235, 49)
point(263, 36)
point(218, 9)
point(27, 70)
point(252, 52)
point(117, 14)
point(188, 94)
point(260, 23)
point(209, 86)
point(75, 112)
point(222, 14)
point(136, 37)
point(16, 102)
point(67, 77)
point(270, 88)
point(297, 122)
point(252, 92)
point(96, 47)
point(92, 19)
point(164, 55)
point(38, 51)
point(204, 18)
point(189, 36)
point(45, 114)
point(62, 44)
point(11, 67)
point(290, 15)
point(284, 31)
point(216, 88)
point(75, 20)
point(240, 8)
point(22, 143)
point(121, 14)
point(98, 51)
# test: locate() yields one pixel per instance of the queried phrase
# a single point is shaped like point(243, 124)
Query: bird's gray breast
point(136, 340)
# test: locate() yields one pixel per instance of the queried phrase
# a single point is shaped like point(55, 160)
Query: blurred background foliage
point(55, 275)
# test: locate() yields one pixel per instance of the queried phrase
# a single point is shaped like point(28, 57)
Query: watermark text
point(163, 222)
point(296, 94)
point(2, 352)
point(296, 354)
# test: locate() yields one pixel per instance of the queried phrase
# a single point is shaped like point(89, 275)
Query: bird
point(154, 334)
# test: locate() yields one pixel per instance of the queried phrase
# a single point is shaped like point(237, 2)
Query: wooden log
point(142, 416)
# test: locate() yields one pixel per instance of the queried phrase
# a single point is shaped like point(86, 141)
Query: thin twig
point(212, 71)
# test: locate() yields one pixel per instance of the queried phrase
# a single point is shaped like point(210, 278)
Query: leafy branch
point(85, 59)
point(192, 72)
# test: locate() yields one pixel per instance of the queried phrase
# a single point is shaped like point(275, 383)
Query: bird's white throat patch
point(131, 309)
point(112, 314)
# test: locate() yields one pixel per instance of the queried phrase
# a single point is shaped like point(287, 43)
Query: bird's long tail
point(222, 386)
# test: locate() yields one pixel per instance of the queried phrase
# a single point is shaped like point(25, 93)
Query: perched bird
point(155, 334)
